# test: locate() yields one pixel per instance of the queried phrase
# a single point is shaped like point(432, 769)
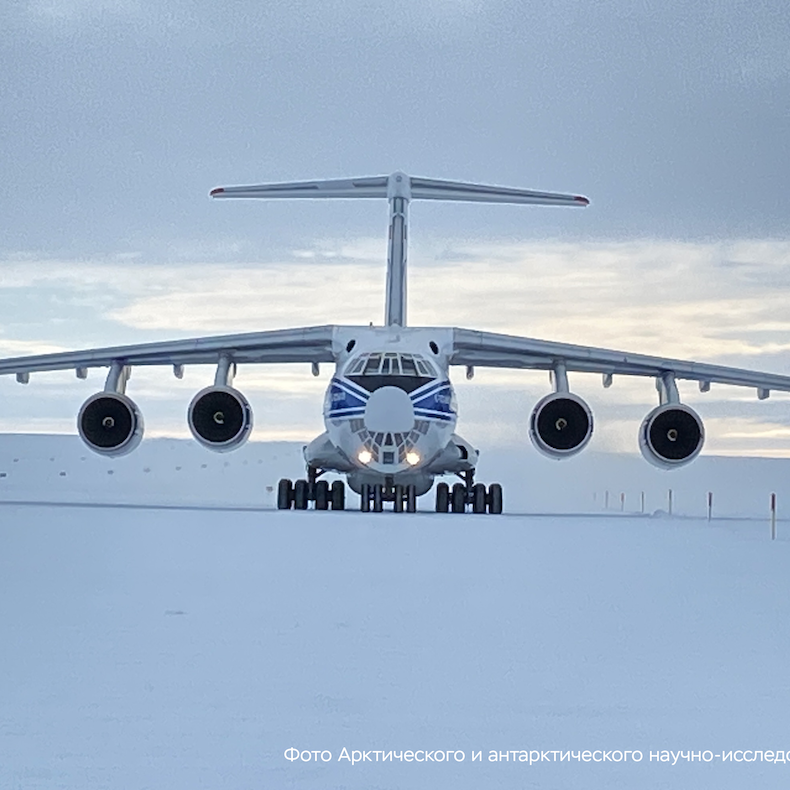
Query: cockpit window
point(421, 366)
point(357, 366)
point(409, 368)
point(407, 371)
point(373, 364)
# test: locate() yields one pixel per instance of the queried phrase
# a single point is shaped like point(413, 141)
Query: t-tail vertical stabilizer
point(399, 189)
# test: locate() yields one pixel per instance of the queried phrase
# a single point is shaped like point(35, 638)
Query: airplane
point(390, 411)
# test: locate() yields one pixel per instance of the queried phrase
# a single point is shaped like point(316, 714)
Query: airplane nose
point(389, 409)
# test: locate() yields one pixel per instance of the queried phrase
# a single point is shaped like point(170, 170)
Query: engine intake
point(220, 418)
point(671, 435)
point(110, 424)
point(561, 425)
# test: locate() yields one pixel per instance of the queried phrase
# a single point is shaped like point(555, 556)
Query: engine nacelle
point(220, 418)
point(561, 425)
point(671, 435)
point(110, 424)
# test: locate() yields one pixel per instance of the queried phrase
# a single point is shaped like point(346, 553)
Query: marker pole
point(773, 516)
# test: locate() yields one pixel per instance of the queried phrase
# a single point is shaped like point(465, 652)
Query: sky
point(673, 118)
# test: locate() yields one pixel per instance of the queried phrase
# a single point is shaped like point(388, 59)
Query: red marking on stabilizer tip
point(216, 191)
point(582, 200)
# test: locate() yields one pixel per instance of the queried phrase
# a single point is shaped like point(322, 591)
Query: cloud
point(60, 11)
point(22, 348)
point(684, 300)
point(718, 302)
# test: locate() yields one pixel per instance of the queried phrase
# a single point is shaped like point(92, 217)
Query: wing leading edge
point(490, 349)
point(307, 344)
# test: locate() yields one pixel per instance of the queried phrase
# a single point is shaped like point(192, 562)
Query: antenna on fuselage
point(399, 189)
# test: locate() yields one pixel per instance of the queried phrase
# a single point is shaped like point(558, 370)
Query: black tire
point(478, 498)
point(364, 498)
point(495, 498)
point(442, 498)
point(459, 498)
point(337, 495)
point(301, 494)
point(397, 502)
point(285, 494)
point(411, 499)
point(322, 495)
point(378, 499)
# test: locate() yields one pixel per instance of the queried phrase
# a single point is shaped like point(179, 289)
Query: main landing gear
point(373, 497)
point(468, 493)
point(299, 493)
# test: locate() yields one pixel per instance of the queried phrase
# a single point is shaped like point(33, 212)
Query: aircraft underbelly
point(323, 453)
point(389, 450)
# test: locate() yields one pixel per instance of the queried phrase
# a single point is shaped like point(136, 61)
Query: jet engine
point(561, 425)
point(110, 424)
point(671, 435)
point(220, 418)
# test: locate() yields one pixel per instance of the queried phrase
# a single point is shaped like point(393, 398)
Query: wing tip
point(581, 200)
point(216, 191)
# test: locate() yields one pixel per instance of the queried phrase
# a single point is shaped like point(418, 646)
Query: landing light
point(412, 458)
point(365, 456)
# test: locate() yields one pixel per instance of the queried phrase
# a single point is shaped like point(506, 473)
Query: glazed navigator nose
point(389, 409)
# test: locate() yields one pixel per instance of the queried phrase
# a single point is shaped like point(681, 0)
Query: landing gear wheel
point(479, 498)
point(397, 502)
point(285, 494)
point(378, 499)
point(301, 494)
point(459, 498)
point(494, 498)
point(442, 498)
point(322, 495)
point(337, 495)
point(411, 499)
point(364, 498)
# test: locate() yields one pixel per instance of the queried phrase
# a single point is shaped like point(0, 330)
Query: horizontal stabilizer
point(399, 185)
point(430, 189)
point(335, 188)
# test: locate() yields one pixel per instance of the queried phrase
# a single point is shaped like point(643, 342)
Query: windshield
point(391, 369)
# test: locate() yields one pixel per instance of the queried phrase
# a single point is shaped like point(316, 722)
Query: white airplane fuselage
point(390, 410)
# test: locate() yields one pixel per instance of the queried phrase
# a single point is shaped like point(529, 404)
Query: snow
point(178, 473)
point(185, 649)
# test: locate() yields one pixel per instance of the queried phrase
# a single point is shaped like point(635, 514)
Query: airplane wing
point(307, 344)
point(490, 349)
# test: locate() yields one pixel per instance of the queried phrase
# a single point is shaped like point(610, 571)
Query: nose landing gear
point(372, 497)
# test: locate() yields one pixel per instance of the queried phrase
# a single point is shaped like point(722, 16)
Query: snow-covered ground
point(178, 472)
point(189, 649)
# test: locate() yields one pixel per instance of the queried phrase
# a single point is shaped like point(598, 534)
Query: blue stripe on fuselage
point(342, 398)
point(352, 389)
point(438, 399)
point(424, 414)
point(352, 412)
point(428, 389)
